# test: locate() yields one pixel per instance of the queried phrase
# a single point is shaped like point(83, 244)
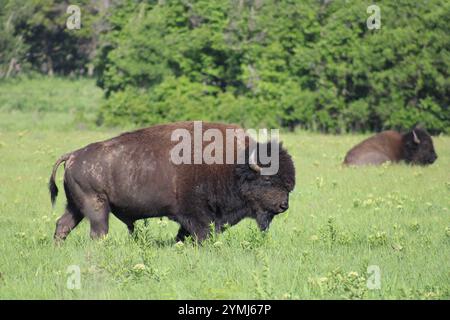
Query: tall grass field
point(343, 223)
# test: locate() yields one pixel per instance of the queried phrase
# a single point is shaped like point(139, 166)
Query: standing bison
point(134, 177)
point(414, 147)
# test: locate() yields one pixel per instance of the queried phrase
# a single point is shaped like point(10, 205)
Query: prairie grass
point(340, 221)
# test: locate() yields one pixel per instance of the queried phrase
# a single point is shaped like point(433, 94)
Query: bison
point(414, 147)
point(134, 177)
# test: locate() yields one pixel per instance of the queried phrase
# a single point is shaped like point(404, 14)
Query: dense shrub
point(312, 63)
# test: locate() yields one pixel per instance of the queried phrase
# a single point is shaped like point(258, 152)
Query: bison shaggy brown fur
point(133, 177)
point(414, 147)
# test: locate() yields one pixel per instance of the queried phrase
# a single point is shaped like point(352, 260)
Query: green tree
point(36, 34)
point(313, 64)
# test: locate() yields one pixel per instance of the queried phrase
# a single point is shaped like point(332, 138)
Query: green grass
point(341, 220)
point(44, 94)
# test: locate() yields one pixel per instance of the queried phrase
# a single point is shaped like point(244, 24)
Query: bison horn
point(253, 162)
point(416, 139)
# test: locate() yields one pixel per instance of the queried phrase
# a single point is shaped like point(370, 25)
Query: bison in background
point(414, 147)
point(133, 177)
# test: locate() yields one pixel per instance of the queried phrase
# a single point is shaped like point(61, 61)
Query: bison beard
point(264, 221)
point(133, 177)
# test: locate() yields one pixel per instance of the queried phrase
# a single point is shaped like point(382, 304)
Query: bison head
point(266, 195)
point(418, 147)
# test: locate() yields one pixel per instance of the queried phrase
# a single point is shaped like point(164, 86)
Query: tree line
point(313, 64)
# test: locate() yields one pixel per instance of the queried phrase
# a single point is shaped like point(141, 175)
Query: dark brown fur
point(133, 177)
point(394, 147)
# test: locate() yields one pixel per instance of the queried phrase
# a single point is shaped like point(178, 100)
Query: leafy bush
point(312, 64)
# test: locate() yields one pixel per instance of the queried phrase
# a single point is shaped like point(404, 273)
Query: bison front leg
point(130, 227)
point(199, 231)
point(193, 224)
point(182, 234)
point(201, 234)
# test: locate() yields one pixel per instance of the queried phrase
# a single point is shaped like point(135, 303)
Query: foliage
point(313, 64)
point(36, 36)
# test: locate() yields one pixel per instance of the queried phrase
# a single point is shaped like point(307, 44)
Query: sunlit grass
point(340, 221)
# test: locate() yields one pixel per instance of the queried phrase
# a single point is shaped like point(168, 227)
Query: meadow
point(340, 222)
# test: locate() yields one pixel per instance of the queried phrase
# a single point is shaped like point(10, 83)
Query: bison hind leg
point(99, 224)
point(66, 223)
point(96, 209)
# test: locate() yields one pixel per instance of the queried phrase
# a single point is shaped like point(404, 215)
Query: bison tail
point(51, 184)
